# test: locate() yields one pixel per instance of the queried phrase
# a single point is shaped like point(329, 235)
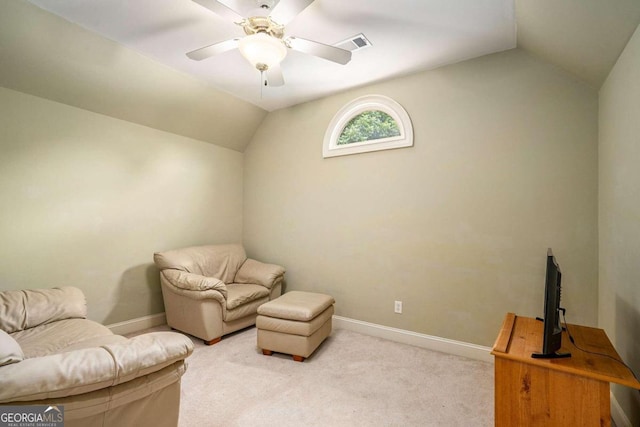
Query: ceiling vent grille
point(354, 43)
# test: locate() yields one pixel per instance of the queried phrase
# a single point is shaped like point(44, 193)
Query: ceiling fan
point(265, 45)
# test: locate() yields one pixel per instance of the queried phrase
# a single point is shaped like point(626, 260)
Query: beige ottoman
point(295, 323)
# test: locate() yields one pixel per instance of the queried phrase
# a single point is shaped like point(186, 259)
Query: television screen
point(552, 329)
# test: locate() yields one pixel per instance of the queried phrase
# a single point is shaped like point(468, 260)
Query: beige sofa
point(210, 291)
point(50, 354)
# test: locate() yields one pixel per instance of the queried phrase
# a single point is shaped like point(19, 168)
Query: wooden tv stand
point(554, 392)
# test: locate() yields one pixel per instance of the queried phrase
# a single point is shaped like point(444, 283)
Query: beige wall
point(46, 56)
point(504, 166)
point(86, 199)
point(619, 214)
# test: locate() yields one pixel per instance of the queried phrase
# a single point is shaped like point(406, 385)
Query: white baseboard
point(139, 324)
point(617, 414)
point(429, 342)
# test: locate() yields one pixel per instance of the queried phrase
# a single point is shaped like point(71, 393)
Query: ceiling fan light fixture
point(262, 50)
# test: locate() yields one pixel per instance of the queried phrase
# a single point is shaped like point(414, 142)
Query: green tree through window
point(367, 126)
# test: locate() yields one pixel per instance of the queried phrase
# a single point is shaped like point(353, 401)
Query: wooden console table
point(554, 392)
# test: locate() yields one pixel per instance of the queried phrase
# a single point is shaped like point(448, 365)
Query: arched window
point(369, 123)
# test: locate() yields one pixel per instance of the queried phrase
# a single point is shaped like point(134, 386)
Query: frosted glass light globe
point(262, 50)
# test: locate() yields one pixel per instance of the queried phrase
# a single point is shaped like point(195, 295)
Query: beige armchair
point(210, 291)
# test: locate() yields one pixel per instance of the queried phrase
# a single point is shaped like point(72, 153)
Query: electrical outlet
point(398, 307)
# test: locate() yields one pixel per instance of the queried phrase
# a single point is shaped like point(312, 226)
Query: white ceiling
point(583, 37)
point(406, 36)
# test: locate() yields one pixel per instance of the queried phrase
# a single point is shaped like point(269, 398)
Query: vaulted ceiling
point(126, 59)
point(584, 37)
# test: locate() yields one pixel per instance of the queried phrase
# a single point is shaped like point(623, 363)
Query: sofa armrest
point(259, 273)
point(194, 282)
point(82, 371)
point(148, 353)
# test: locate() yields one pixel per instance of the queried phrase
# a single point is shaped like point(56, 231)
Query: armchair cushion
point(241, 293)
point(10, 350)
point(25, 309)
point(260, 273)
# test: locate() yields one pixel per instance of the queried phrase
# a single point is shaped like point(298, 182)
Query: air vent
point(354, 43)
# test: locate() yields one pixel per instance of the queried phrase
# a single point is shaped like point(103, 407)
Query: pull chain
point(262, 82)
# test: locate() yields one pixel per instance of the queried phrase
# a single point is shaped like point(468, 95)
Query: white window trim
point(330, 147)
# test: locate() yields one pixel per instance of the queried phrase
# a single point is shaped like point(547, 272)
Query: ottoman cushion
point(294, 327)
point(296, 305)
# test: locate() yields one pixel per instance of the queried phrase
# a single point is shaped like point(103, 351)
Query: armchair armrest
point(259, 273)
point(194, 282)
point(82, 371)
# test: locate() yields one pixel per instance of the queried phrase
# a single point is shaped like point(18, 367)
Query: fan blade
point(325, 51)
point(274, 76)
point(221, 9)
point(286, 10)
point(214, 49)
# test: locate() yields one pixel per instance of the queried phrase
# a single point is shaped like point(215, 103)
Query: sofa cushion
point(10, 351)
point(29, 308)
point(219, 261)
point(60, 336)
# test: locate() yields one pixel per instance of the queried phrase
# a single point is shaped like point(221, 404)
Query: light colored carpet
point(351, 380)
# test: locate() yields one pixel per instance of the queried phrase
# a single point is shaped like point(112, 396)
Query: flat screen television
point(552, 330)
